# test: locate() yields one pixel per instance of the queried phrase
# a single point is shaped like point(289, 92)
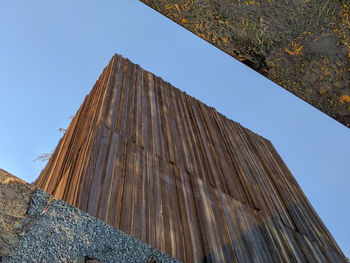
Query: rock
point(15, 195)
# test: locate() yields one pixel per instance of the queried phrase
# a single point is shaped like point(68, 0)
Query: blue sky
point(53, 52)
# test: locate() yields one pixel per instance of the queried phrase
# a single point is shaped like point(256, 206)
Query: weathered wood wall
point(301, 45)
point(167, 169)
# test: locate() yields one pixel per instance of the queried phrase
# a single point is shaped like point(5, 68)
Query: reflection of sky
point(52, 53)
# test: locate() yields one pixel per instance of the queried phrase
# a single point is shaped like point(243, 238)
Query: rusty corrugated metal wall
point(167, 169)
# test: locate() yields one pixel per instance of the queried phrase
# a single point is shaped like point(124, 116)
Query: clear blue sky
point(52, 52)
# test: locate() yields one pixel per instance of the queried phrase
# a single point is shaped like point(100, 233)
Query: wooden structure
point(169, 170)
point(301, 45)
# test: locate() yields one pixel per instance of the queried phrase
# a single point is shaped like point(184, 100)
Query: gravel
point(59, 232)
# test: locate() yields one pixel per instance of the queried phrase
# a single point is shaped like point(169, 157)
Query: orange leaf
point(344, 98)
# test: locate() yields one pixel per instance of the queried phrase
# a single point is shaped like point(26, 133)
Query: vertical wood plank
point(173, 172)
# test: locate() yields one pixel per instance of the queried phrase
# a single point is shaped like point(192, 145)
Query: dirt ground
point(302, 45)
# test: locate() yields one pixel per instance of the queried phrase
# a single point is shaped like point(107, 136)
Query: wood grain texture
point(167, 169)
